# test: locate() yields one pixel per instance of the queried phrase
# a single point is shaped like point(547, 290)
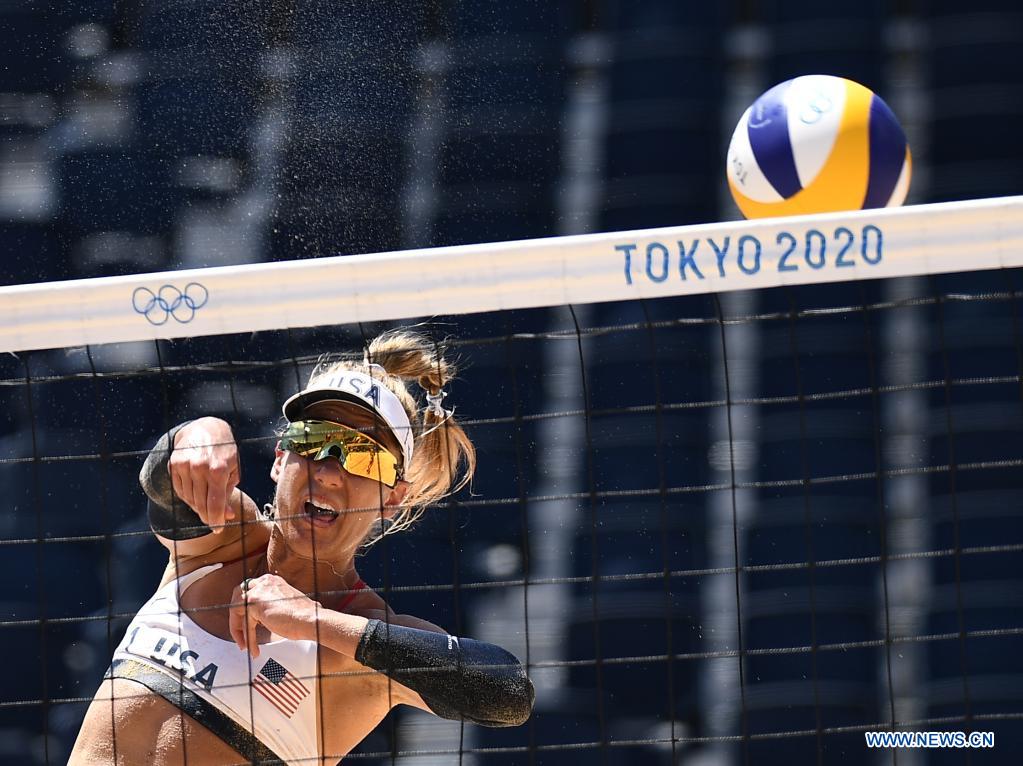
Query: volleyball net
point(746, 491)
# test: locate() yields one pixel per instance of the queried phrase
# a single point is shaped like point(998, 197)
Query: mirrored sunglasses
point(358, 454)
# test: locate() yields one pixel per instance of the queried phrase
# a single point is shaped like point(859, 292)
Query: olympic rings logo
point(169, 302)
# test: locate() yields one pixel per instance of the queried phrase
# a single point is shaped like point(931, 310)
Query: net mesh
point(719, 527)
point(747, 526)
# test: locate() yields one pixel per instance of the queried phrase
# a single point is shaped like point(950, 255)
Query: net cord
point(105, 514)
point(804, 469)
point(37, 495)
point(556, 271)
point(882, 515)
point(733, 494)
point(523, 507)
point(595, 578)
point(662, 487)
point(956, 541)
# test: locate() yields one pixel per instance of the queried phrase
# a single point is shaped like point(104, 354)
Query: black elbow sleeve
point(169, 516)
point(458, 678)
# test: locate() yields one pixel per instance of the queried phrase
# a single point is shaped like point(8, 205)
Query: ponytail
point(444, 458)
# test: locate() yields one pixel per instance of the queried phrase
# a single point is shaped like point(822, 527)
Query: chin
point(307, 540)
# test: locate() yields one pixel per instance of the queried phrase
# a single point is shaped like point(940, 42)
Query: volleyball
point(817, 144)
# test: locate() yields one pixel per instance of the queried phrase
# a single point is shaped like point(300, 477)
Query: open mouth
point(320, 516)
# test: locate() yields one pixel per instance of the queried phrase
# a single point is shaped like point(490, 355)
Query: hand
point(270, 601)
point(205, 470)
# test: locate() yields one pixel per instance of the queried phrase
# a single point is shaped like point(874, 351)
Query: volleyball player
point(262, 643)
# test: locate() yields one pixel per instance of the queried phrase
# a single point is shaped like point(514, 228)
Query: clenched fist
point(269, 601)
point(205, 470)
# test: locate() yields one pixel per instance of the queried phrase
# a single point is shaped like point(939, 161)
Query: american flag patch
point(280, 688)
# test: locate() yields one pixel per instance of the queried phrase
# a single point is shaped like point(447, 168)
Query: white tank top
point(273, 696)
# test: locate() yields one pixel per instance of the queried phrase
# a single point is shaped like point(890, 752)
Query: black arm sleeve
point(459, 678)
point(169, 516)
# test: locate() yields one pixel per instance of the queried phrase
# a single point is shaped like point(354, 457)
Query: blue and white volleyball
point(817, 144)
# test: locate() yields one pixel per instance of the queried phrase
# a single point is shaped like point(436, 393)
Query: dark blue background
point(142, 136)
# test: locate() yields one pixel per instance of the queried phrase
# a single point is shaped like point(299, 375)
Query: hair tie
point(435, 404)
point(375, 369)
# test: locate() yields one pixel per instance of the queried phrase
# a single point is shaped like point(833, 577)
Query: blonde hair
point(444, 458)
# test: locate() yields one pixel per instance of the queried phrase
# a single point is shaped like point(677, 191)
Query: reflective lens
point(358, 454)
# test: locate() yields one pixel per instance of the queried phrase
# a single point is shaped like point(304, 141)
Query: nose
point(328, 472)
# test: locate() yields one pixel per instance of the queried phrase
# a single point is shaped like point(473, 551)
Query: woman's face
point(322, 510)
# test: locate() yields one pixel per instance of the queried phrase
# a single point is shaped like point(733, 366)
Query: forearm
point(338, 631)
point(458, 678)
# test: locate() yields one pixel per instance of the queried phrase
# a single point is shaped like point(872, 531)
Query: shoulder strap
point(360, 585)
point(203, 712)
point(186, 580)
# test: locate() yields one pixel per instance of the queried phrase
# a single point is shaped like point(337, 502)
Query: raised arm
point(191, 479)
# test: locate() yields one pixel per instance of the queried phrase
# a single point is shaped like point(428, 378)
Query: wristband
point(169, 516)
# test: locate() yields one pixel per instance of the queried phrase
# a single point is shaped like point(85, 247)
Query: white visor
point(362, 390)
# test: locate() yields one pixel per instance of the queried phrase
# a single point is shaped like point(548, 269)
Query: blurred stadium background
point(141, 136)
